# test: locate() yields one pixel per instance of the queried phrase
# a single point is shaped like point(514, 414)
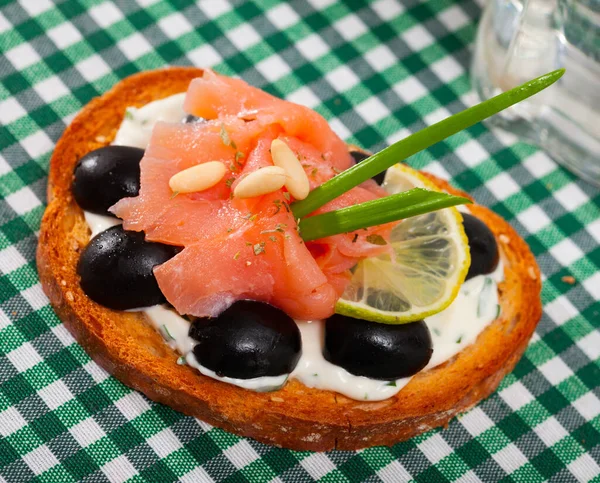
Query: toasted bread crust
point(294, 417)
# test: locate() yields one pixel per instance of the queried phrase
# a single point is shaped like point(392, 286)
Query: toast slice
point(295, 417)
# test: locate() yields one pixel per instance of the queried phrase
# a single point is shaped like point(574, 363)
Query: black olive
point(378, 351)
point(358, 157)
point(483, 246)
point(116, 269)
point(106, 175)
point(191, 119)
point(250, 339)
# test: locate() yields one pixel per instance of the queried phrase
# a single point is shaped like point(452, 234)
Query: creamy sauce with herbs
point(453, 329)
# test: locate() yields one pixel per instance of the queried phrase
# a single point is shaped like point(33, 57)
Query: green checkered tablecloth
point(377, 70)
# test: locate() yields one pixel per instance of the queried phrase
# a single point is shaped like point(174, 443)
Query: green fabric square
point(48, 426)
point(159, 472)
point(80, 464)
point(126, 437)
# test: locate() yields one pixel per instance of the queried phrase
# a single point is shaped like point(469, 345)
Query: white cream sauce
point(453, 329)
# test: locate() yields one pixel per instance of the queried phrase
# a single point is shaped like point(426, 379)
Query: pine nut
point(260, 182)
point(198, 178)
point(297, 181)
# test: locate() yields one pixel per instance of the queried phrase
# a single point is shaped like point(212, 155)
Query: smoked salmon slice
point(233, 248)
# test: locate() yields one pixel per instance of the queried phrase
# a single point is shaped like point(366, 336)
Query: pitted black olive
point(248, 340)
point(358, 157)
point(483, 246)
point(378, 351)
point(116, 269)
point(191, 119)
point(104, 176)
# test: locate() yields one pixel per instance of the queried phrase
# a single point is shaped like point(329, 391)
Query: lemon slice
point(423, 276)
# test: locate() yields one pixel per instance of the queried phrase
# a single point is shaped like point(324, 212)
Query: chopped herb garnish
point(229, 230)
point(248, 216)
point(277, 203)
point(366, 396)
point(375, 239)
point(253, 217)
point(336, 170)
point(322, 156)
point(175, 193)
point(497, 311)
point(287, 207)
point(314, 172)
point(487, 285)
point(166, 334)
point(278, 228)
point(315, 374)
point(436, 332)
point(248, 244)
point(229, 182)
point(236, 256)
point(391, 383)
point(129, 114)
point(259, 248)
point(273, 239)
point(225, 136)
point(233, 167)
point(238, 155)
point(181, 361)
point(355, 238)
point(286, 195)
point(459, 340)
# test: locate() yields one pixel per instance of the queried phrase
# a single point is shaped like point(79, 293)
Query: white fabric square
point(550, 431)
point(339, 128)
point(435, 448)
point(380, 58)
point(273, 68)
point(387, 9)
point(4, 320)
point(11, 421)
point(590, 344)
point(534, 219)
point(134, 46)
point(62, 334)
point(472, 153)
point(592, 285)
point(417, 38)
point(4, 166)
point(510, 458)
point(394, 473)
point(350, 27)
point(566, 252)
point(571, 196)
point(588, 406)
point(502, 186)
point(175, 25)
point(453, 18)
point(37, 144)
point(132, 405)
point(342, 78)
point(447, 69)
point(304, 96)
point(584, 468)
point(164, 443)
point(468, 477)
point(22, 56)
point(98, 374)
point(146, 3)
point(436, 116)
point(51, 89)
point(312, 47)
point(4, 24)
point(197, 475)
point(317, 465)
point(23, 201)
point(10, 110)
point(119, 470)
point(397, 136)
point(555, 370)
point(93, 68)
point(87, 432)
point(214, 9)
point(64, 35)
point(243, 36)
point(561, 310)
point(372, 110)
point(436, 168)
point(204, 56)
point(241, 454)
point(539, 164)
point(476, 421)
point(35, 7)
point(11, 259)
point(35, 296)
point(283, 16)
point(516, 396)
point(594, 230)
point(24, 357)
point(55, 394)
point(40, 459)
point(105, 14)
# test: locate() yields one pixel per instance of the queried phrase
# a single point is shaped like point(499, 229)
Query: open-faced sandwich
point(211, 246)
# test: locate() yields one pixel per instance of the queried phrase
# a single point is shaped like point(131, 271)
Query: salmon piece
point(237, 249)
